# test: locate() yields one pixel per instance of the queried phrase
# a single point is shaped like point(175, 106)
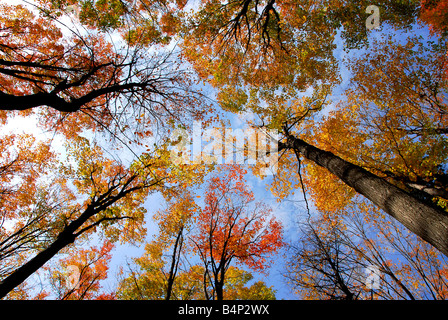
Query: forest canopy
point(229, 143)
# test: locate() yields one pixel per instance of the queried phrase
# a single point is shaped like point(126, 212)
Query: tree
point(173, 224)
point(320, 267)
point(110, 196)
point(22, 198)
point(400, 124)
point(332, 258)
point(148, 279)
point(263, 57)
point(162, 258)
point(88, 267)
point(225, 230)
point(237, 289)
point(258, 50)
point(247, 50)
point(413, 89)
point(79, 82)
point(276, 103)
point(228, 229)
point(434, 13)
point(400, 129)
point(424, 220)
point(141, 284)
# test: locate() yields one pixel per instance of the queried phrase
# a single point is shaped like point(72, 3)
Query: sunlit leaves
point(229, 230)
point(435, 13)
point(331, 258)
point(87, 267)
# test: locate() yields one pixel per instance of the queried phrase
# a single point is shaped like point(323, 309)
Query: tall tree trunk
point(220, 274)
point(174, 263)
point(219, 290)
point(425, 221)
point(22, 273)
point(65, 237)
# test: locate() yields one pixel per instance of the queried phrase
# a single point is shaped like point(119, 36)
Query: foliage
point(113, 79)
point(331, 259)
point(434, 13)
point(234, 231)
point(92, 265)
point(228, 229)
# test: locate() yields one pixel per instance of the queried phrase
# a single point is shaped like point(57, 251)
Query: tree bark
point(52, 100)
point(22, 273)
point(432, 191)
point(427, 222)
point(219, 275)
point(219, 284)
point(66, 236)
point(174, 263)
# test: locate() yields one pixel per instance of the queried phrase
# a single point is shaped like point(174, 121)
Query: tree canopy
point(109, 90)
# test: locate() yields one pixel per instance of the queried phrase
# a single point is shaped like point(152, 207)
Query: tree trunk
point(219, 290)
point(69, 234)
point(425, 221)
point(432, 191)
point(174, 263)
point(22, 273)
point(64, 238)
point(220, 274)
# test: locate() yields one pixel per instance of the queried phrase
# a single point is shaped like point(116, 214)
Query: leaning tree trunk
point(425, 221)
point(65, 237)
point(22, 273)
point(174, 263)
